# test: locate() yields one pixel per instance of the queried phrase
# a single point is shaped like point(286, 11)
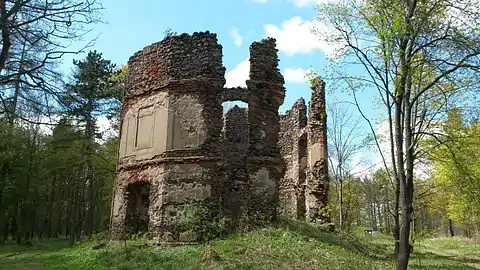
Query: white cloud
point(306, 3)
point(236, 36)
point(296, 36)
point(359, 169)
point(237, 76)
point(295, 75)
point(105, 128)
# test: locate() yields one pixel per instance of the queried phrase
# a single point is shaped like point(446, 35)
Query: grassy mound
point(289, 245)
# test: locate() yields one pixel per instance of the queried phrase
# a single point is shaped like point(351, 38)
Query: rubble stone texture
point(303, 190)
point(177, 147)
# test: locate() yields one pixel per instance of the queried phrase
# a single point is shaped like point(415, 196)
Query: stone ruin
point(178, 147)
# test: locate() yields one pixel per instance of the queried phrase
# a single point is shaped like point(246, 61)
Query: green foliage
point(456, 170)
point(118, 88)
point(353, 201)
point(60, 184)
point(169, 33)
point(198, 217)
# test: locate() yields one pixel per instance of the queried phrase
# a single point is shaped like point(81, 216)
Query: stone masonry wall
point(235, 192)
point(303, 145)
point(317, 177)
point(264, 164)
point(177, 147)
point(291, 189)
point(176, 60)
point(187, 75)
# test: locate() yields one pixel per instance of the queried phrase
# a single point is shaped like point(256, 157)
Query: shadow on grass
point(13, 249)
point(430, 260)
point(346, 241)
point(33, 256)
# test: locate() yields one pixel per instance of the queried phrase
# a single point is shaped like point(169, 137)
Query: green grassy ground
point(288, 246)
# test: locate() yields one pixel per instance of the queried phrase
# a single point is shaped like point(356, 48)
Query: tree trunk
point(393, 142)
point(89, 179)
point(341, 204)
point(404, 228)
point(450, 227)
point(379, 214)
point(6, 40)
point(12, 112)
point(386, 214)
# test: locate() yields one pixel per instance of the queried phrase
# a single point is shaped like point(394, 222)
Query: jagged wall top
point(176, 58)
point(264, 62)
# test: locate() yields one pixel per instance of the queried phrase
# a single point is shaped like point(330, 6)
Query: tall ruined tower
point(177, 148)
point(317, 182)
point(170, 136)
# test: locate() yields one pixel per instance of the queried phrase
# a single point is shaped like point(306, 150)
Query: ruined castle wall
point(317, 176)
point(264, 164)
point(292, 144)
point(177, 147)
point(176, 59)
point(235, 94)
point(235, 182)
point(170, 138)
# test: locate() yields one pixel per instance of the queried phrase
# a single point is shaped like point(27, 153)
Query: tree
point(52, 24)
point(90, 93)
point(118, 92)
point(415, 54)
point(343, 134)
point(353, 202)
point(35, 35)
point(456, 170)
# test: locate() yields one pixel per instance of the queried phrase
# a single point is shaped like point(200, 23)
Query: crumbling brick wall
point(317, 184)
point(303, 145)
point(264, 164)
point(293, 150)
point(171, 131)
point(177, 147)
point(235, 190)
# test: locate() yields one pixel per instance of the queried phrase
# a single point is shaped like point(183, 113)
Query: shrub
point(199, 218)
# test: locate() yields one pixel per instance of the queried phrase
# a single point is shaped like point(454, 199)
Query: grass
point(454, 248)
point(463, 245)
point(289, 245)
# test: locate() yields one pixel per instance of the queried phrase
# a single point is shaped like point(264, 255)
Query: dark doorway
point(137, 207)
point(302, 176)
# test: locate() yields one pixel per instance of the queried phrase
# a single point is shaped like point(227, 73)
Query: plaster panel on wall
point(123, 138)
point(315, 153)
point(162, 125)
point(144, 135)
point(145, 127)
point(188, 126)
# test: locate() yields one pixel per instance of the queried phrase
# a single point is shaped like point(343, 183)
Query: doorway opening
point(137, 217)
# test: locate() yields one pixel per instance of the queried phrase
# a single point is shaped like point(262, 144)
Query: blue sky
point(132, 25)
